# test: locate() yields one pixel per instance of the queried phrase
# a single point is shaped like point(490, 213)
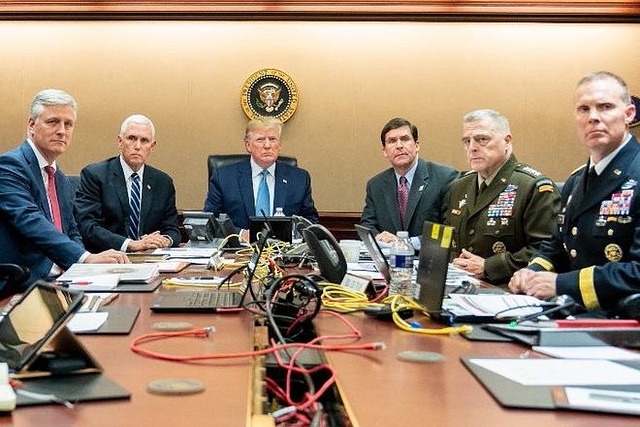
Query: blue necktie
point(134, 207)
point(262, 199)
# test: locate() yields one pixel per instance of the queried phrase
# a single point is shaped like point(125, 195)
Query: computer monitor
point(199, 226)
point(280, 227)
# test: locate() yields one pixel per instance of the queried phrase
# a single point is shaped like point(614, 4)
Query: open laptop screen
point(33, 321)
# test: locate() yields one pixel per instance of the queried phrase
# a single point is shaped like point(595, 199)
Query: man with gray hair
point(502, 210)
point(37, 228)
point(123, 203)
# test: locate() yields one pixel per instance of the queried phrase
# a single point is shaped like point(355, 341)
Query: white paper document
point(606, 352)
point(86, 321)
point(127, 272)
point(594, 399)
point(499, 305)
point(559, 372)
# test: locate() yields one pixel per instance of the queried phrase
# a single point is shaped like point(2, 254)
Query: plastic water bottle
point(401, 264)
point(279, 212)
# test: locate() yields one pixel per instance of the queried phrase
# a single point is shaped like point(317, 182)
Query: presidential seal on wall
point(269, 93)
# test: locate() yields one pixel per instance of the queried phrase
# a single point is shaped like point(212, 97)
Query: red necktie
point(403, 197)
point(53, 197)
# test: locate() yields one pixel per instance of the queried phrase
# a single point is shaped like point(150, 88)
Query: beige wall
point(352, 77)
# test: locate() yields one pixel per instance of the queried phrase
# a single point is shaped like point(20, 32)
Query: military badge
point(269, 93)
point(499, 247)
point(629, 184)
point(613, 252)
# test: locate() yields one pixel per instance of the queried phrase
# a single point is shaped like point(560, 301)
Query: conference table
point(377, 388)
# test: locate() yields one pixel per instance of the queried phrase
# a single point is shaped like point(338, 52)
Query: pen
point(71, 282)
point(614, 398)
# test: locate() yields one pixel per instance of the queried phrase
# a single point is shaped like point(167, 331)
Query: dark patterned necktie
point(483, 187)
point(134, 207)
point(53, 197)
point(403, 198)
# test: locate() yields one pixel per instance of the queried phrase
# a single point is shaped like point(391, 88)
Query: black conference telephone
point(326, 251)
point(224, 227)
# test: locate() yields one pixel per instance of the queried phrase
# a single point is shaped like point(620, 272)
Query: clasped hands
point(153, 240)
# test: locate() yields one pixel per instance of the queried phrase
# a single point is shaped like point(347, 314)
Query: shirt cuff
point(83, 257)
point(125, 245)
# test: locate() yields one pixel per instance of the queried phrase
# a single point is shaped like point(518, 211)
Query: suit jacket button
point(573, 253)
point(472, 232)
point(574, 231)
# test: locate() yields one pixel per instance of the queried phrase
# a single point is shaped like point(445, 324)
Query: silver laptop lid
point(380, 261)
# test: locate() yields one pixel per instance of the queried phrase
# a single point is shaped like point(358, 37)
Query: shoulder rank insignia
point(529, 170)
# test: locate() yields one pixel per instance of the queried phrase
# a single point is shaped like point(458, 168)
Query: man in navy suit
point(594, 256)
point(103, 197)
point(37, 227)
point(234, 189)
point(426, 183)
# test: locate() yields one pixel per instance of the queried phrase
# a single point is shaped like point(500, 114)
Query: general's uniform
point(596, 250)
point(508, 221)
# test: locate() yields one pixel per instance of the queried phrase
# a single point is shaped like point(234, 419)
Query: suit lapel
point(418, 187)
point(280, 188)
point(245, 184)
point(391, 198)
point(117, 184)
point(147, 196)
point(32, 162)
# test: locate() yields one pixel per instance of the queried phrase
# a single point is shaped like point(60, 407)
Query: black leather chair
point(11, 276)
point(217, 160)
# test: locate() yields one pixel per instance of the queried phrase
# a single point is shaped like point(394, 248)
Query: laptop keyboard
point(210, 299)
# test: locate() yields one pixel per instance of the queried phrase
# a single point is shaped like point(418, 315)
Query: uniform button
point(472, 232)
point(609, 232)
point(496, 232)
point(573, 253)
point(574, 231)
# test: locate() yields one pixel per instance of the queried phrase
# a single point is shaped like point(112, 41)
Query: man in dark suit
point(594, 256)
point(426, 185)
point(237, 189)
point(501, 210)
point(37, 227)
point(103, 200)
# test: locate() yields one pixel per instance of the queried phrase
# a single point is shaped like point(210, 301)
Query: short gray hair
point(140, 120)
point(48, 97)
point(607, 75)
point(501, 123)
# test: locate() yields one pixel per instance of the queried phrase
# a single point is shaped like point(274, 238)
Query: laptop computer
point(209, 301)
point(281, 227)
point(34, 321)
point(374, 250)
point(431, 283)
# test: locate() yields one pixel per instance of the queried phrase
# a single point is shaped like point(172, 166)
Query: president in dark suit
point(594, 256)
point(261, 183)
point(388, 208)
point(37, 227)
point(105, 209)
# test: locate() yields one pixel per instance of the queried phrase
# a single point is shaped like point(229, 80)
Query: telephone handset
point(327, 252)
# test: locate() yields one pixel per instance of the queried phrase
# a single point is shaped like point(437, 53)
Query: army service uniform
point(507, 222)
point(596, 250)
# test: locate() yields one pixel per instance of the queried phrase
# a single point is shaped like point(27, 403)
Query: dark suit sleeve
point(89, 205)
point(22, 207)
point(168, 219)
point(308, 209)
point(213, 202)
point(449, 178)
point(369, 218)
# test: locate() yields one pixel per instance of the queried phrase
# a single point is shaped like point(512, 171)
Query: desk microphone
point(562, 302)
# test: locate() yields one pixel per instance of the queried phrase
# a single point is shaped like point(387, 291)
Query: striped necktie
point(134, 208)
